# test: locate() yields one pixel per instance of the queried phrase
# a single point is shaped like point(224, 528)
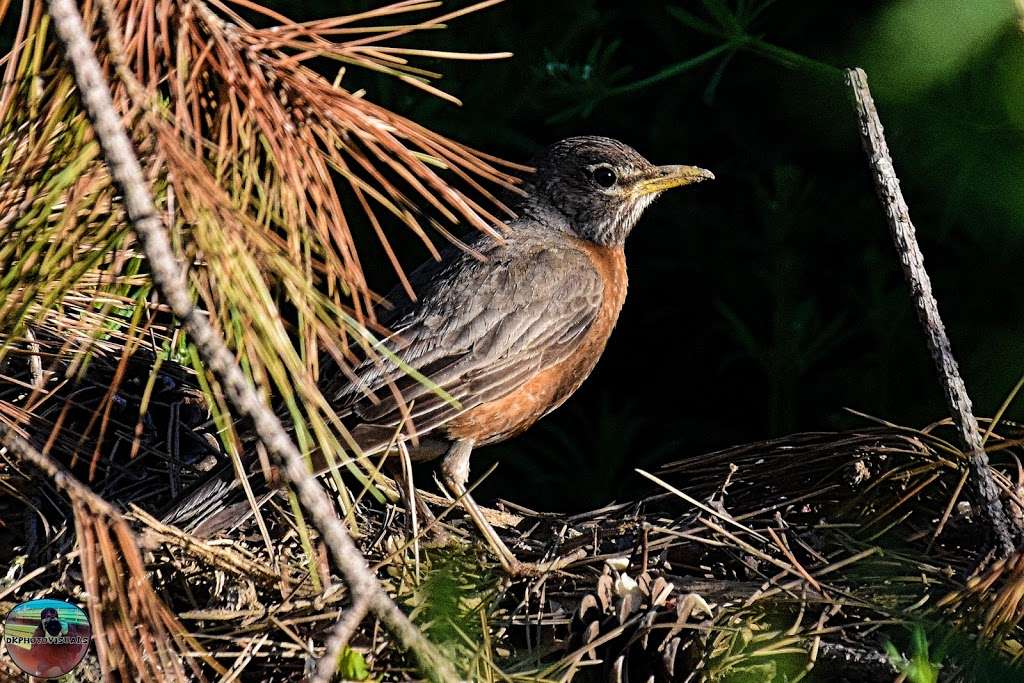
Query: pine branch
point(170, 281)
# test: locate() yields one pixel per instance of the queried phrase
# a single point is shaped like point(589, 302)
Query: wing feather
point(479, 331)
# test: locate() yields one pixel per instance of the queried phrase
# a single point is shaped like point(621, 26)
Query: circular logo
point(47, 638)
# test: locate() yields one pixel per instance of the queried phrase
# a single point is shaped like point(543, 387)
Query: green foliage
point(454, 593)
point(754, 647)
point(919, 44)
point(352, 666)
point(936, 647)
point(918, 667)
point(452, 600)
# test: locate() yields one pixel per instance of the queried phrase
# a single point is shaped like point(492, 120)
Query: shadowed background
point(765, 302)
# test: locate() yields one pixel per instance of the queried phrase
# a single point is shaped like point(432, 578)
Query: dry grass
point(249, 152)
point(802, 556)
point(254, 158)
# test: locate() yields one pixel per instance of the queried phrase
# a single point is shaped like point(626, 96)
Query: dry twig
point(985, 491)
point(342, 633)
point(170, 281)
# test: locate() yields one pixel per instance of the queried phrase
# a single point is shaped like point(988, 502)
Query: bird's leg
point(455, 473)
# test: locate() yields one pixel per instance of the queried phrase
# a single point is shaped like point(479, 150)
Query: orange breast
point(519, 410)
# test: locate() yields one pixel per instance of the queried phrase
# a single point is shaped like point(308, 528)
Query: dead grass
point(800, 556)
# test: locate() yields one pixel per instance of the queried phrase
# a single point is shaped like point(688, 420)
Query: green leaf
point(352, 665)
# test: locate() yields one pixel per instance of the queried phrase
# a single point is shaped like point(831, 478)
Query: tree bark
point(985, 493)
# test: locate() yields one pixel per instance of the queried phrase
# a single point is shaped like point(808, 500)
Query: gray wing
point(479, 331)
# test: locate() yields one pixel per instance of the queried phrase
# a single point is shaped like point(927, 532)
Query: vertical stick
point(169, 279)
point(985, 494)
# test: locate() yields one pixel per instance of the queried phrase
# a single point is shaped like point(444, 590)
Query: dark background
point(767, 301)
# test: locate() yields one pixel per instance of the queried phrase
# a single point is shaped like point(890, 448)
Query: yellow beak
point(667, 177)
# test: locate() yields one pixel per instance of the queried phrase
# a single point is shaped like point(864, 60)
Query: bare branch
point(985, 492)
point(170, 281)
point(340, 636)
point(63, 480)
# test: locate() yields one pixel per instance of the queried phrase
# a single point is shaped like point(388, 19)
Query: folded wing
point(479, 331)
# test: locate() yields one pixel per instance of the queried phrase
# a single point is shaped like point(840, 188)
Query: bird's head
point(598, 187)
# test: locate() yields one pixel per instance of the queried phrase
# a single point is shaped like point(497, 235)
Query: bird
point(507, 330)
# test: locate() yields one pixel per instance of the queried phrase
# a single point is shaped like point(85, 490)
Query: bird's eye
point(604, 176)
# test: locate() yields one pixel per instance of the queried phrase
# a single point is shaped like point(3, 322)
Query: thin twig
point(170, 282)
point(984, 490)
point(63, 480)
point(340, 636)
point(35, 363)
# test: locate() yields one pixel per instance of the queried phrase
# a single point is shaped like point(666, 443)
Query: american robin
point(510, 336)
